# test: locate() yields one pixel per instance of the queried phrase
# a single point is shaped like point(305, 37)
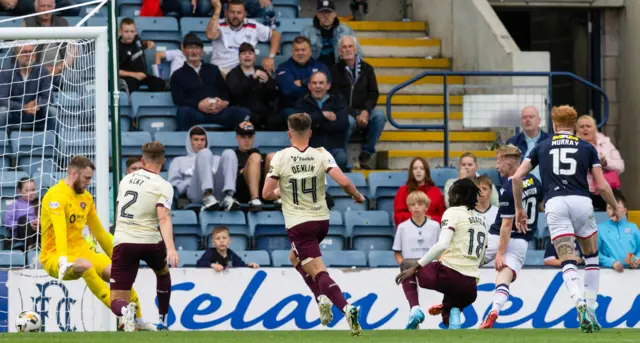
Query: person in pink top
point(612, 162)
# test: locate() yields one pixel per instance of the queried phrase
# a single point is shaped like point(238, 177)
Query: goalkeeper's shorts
point(98, 261)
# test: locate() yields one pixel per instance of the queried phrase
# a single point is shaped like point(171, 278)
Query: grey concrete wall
point(628, 94)
point(379, 10)
point(611, 76)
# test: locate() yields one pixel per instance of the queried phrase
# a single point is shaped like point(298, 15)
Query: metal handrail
point(445, 74)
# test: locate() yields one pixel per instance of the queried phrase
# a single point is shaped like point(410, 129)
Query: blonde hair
point(469, 154)
point(485, 180)
point(564, 116)
point(509, 150)
point(418, 197)
point(588, 116)
point(219, 229)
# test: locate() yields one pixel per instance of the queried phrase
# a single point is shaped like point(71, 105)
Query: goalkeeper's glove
point(63, 267)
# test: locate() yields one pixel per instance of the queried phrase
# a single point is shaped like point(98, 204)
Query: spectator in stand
point(134, 163)
point(23, 7)
point(21, 217)
point(25, 93)
point(252, 85)
point(200, 92)
point(220, 257)
point(419, 179)
point(484, 207)
point(325, 33)
point(252, 167)
point(329, 117)
point(610, 159)
point(551, 256)
point(355, 6)
point(293, 76)
point(355, 79)
point(261, 10)
point(619, 241)
point(186, 8)
point(227, 34)
point(203, 176)
point(530, 134)
point(131, 60)
point(469, 169)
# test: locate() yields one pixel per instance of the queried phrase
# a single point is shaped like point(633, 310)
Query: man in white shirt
point(229, 33)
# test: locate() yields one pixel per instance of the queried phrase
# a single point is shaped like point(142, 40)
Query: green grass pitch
point(386, 336)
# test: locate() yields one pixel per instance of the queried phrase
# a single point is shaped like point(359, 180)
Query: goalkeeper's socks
point(97, 286)
point(500, 297)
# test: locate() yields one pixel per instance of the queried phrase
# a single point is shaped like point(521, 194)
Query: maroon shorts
point(305, 238)
point(459, 290)
point(126, 261)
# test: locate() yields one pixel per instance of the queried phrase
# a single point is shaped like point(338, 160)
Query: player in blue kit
point(508, 247)
point(565, 161)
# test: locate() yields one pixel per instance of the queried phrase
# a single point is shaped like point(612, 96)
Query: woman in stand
point(419, 179)
point(21, 217)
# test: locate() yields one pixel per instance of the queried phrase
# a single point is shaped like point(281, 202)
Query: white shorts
point(570, 215)
point(515, 255)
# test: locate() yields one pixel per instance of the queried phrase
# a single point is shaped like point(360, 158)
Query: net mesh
point(47, 115)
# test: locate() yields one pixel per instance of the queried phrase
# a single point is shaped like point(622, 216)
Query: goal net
point(53, 105)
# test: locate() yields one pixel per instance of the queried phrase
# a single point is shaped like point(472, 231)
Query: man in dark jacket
point(530, 134)
point(293, 76)
point(200, 92)
point(253, 87)
point(355, 79)
point(329, 115)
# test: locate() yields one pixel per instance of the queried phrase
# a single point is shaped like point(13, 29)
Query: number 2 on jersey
point(563, 164)
point(477, 241)
point(311, 190)
point(134, 197)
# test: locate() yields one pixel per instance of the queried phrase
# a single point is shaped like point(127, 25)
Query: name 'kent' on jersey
point(531, 198)
point(565, 161)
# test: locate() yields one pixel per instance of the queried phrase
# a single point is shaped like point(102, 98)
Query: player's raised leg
point(500, 296)
point(324, 304)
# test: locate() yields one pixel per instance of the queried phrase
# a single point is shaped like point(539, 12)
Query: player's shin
point(97, 286)
point(163, 289)
point(410, 288)
point(591, 279)
point(331, 289)
point(313, 286)
point(503, 280)
point(572, 279)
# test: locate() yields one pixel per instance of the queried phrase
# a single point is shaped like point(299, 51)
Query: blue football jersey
point(531, 197)
point(565, 161)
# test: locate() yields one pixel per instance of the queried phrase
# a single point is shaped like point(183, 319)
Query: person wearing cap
point(325, 33)
point(227, 34)
point(253, 87)
point(132, 66)
point(252, 167)
point(200, 91)
point(174, 56)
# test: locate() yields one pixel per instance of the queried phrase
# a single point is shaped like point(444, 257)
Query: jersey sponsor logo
point(83, 205)
point(445, 222)
point(53, 205)
point(569, 137)
point(528, 182)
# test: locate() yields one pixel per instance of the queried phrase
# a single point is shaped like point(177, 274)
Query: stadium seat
point(48, 180)
point(73, 20)
point(174, 142)
point(280, 258)
point(600, 216)
point(286, 8)
point(441, 175)
point(35, 166)
point(9, 181)
point(219, 141)
point(33, 259)
point(493, 175)
point(128, 8)
point(382, 258)
point(186, 231)
point(262, 51)
point(189, 258)
point(543, 230)
point(11, 259)
point(97, 21)
point(290, 28)
point(11, 23)
point(337, 237)
point(235, 221)
point(164, 31)
point(370, 230)
point(197, 26)
point(342, 201)
point(154, 111)
point(345, 259)
point(260, 257)
point(27, 143)
point(534, 258)
point(131, 142)
point(74, 140)
point(268, 230)
point(271, 141)
point(383, 187)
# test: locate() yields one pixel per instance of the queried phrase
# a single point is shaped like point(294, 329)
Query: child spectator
point(221, 257)
point(21, 217)
point(132, 66)
point(484, 206)
point(619, 241)
point(410, 241)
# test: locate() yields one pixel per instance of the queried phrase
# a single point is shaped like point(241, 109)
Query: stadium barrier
point(278, 299)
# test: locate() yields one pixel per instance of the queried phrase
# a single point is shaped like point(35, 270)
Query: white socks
point(571, 280)
point(592, 279)
point(500, 297)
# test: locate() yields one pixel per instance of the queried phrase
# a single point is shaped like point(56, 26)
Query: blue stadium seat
point(382, 258)
point(73, 20)
point(290, 28)
point(268, 230)
point(197, 26)
point(97, 21)
point(271, 141)
point(345, 259)
point(34, 166)
point(26, 143)
point(154, 111)
point(260, 257)
point(48, 180)
point(69, 101)
point(370, 230)
point(131, 142)
point(128, 8)
point(11, 259)
point(11, 23)
point(543, 229)
point(383, 187)
point(441, 175)
point(9, 180)
point(337, 237)
point(280, 258)
point(600, 216)
point(189, 258)
point(174, 142)
point(33, 258)
point(186, 231)
point(262, 51)
point(347, 204)
point(164, 31)
point(74, 140)
point(235, 221)
point(342, 201)
point(534, 258)
point(493, 174)
point(219, 141)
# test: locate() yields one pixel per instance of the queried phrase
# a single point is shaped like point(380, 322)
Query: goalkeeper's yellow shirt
point(63, 216)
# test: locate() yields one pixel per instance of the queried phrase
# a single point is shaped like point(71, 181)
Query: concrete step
point(453, 124)
point(453, 145)
point(389, 34)
point(400, 47)
point(421, 108)
point(419, 100)
point(417, 89)
point(387, 26)
point(396, 159)
point(425, 118)
point(437, 136)
point(416, 63)
point(406, 72)
point(438, 162)
point(437, 80)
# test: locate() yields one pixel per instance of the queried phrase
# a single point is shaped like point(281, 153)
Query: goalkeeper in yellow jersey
point(66, 209)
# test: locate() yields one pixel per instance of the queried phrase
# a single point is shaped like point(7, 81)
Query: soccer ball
point(28, 321)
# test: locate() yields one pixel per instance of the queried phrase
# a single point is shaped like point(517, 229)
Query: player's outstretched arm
point(97, 230)
point(604, 189)
point(269, 189)
point(343, 181)
point(166, 228)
